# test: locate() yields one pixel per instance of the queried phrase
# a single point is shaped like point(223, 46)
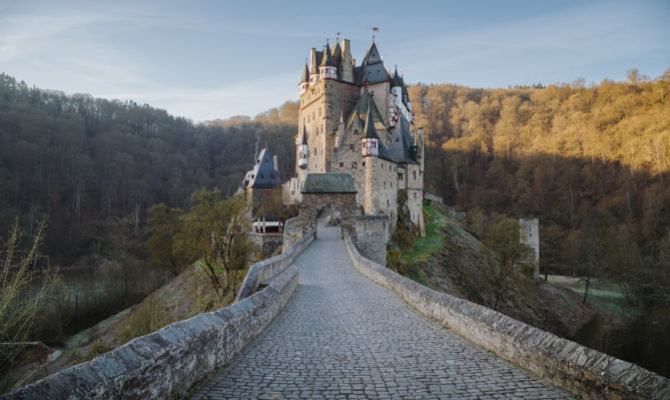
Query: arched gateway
point(322, 191)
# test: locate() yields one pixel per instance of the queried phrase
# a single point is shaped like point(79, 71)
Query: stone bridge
point(344, 337)
point(350, 329)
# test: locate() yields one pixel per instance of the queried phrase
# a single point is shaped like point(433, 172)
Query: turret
point(313, 72)
point(303, 151)
point(328, 68)
point(370, 142)
point(347, 62)
point(304, 81)
point(340, 130)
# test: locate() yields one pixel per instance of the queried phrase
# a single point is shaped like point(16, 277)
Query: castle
point(358, 120)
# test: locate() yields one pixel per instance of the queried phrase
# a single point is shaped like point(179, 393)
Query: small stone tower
point(529, 234)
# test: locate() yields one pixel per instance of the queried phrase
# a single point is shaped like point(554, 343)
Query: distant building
point(358, 119)
point(260, 185)
point(529, 234)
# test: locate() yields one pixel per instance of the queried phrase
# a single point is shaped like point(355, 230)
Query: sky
point(207, 60)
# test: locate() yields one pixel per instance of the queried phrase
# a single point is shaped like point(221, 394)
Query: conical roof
point(303, 139)
point(369, 129)
point(327, 59)
point(305, 75)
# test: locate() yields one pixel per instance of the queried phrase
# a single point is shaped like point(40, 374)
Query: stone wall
point(580, 370)
point(313, 203)
point(268, 268)
point(293, 232)
point(267, 242)
point(372, 235)
point(169, 362)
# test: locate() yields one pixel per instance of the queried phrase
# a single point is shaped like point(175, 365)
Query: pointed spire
point(369, 129)
point(303, 140)
point(327, 59)
point(305, 74)
point(341, 117)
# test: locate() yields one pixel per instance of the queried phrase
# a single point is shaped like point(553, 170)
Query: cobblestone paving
point(344, 337)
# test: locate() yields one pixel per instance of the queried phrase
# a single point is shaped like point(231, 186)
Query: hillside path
point(344, 337)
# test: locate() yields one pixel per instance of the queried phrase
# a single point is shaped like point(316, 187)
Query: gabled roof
point(372, 56)
point(328, 183)
point(263, 175)
point(371, 133)
point(401, 143)
point(364, 103)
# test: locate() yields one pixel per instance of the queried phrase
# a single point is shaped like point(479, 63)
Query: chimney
point(347, 68)
point(312, 61)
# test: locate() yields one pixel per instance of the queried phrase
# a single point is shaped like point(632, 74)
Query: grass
point(434, 239)
point(602, 293)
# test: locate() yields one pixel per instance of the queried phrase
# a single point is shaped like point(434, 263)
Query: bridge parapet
point(169, 362)
point(578, 369)
point(266, 269)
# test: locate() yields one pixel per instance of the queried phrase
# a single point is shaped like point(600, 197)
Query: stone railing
point(266, 269)
point(580, 370)
point(169, 362)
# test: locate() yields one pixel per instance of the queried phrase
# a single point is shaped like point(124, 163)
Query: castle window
point(354, 165)
point(341, 165)
point(262, 176)
point(351, 147)
point(415, 195)
point(356, 132)
point(364, 163)
point(387, 203)
point(414, 173)
point(316, 153)
point(399, 177)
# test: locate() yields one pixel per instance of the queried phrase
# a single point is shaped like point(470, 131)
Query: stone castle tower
point(358, 119)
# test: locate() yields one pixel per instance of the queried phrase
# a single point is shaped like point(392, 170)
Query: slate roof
point(371, 133)
point(328, 183)
point(263, 175)
point(327, 59)
point(303, 138)
point(402, 144)
point(305, 75)
point(372, 67)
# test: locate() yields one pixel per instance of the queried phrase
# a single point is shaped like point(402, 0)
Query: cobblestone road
point(344, 337)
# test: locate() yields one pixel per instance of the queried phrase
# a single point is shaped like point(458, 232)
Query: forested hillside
point(581, 159)
point(86, 163)
point(592, 163)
